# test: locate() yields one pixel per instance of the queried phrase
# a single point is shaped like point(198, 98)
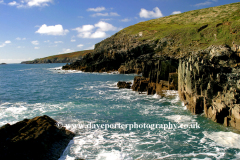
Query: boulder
point(122, 84)
point(39, 138)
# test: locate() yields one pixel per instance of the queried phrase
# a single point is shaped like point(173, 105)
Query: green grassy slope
point(197, 29)
point(68, 55)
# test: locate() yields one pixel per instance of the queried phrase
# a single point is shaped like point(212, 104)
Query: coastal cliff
point(62, 58)
point(196, 53)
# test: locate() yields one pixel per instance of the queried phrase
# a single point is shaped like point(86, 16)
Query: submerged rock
point(33, 139)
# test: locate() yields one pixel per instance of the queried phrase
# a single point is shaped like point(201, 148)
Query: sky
point(31, 29)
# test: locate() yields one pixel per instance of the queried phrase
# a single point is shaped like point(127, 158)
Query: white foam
point(113, 155)
point(180, 118)
point(16, 110)
point(226, 139)
point(156, 96)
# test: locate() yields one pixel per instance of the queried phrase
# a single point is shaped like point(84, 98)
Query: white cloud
point(4, 44)
point(1, 1)
point(85, 28)
point(52, 30)
point(176, 12)
point(204, 3)
point(36, 48)
point(107, 19)
point(38, 3)
point(30, 3)
point(98, 34)
point(18, 38)
point(105, 14)
point(58, 42)
point(156, 13)
point(80, 45)
point(35, 42)
point(126, 20)
point(64, 50)
point(114, 14)
point(104, 26)
point(7, 42)
point(20, 46)
point(98, 9)
point(73, 40)
point(87, 31)
point(100, 14)
point(13, 3)
point(47, 41)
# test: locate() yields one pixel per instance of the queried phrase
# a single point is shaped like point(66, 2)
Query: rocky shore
point(200, 59)
point(39, 138)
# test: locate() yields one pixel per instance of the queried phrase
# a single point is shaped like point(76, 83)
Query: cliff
point(38, 138)
point(62, 58)
point(196, 53)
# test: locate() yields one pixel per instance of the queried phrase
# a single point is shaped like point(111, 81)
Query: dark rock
point(208, 82)
point(123, 84)
point(33, 139)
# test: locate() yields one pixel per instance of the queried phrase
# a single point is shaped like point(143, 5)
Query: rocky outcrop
point(157, 75)
point(122, 84)
point(209, 83)
point(38, 138)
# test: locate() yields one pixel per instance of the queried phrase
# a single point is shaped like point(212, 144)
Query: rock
point(123, 84)
point(208, 83)
point(38, 138)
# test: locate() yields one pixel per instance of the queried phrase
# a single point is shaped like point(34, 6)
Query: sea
point(112, 123)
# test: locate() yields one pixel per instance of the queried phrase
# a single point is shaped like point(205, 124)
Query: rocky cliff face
point(209, 83)
point(38, 138)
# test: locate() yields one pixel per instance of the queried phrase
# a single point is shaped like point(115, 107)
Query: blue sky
point(33, 29)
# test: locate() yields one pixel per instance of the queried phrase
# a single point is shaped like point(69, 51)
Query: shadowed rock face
point(33, 139)
point(209, 82)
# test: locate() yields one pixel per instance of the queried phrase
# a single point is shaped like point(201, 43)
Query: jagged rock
point(140, 84)
point(33, 139)
point(208, 83)
point(123, 84)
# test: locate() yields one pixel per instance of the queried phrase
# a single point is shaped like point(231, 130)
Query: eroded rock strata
point(33, 139)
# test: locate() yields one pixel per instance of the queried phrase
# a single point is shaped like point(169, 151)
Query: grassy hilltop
point(61, 58)
point(198, 28)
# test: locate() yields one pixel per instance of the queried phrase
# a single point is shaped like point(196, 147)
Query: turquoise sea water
point(78, 100)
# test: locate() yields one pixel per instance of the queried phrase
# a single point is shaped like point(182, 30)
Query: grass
point(223, 27)
point(68, 55)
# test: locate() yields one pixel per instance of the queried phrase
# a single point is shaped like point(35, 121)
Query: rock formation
point(209, 82)
point(33, 139)
point(122, 84)
point(188, 52)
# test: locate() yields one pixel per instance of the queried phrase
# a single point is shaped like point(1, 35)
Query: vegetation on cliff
point(61, 58)
point(197, 29)
point(173, 36)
